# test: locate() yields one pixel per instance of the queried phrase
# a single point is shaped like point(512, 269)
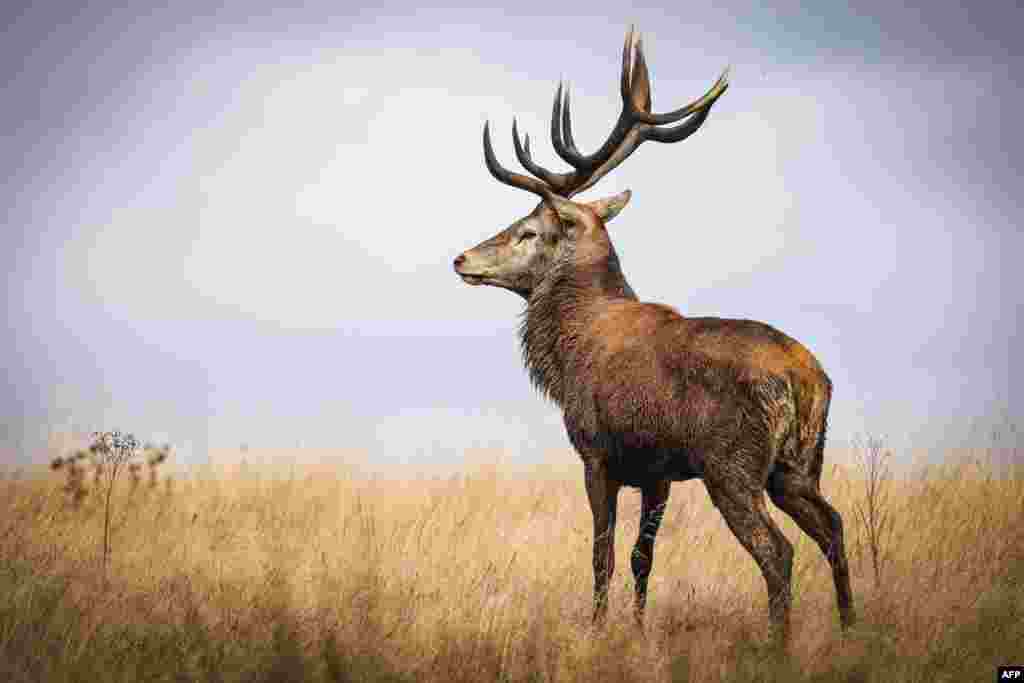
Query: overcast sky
point(235, 224)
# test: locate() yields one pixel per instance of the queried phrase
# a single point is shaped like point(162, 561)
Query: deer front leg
point(603, 494)
point(654, 499)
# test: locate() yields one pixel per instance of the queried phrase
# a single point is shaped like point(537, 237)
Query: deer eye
point(527, 235)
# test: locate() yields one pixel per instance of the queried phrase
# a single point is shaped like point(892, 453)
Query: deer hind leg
point(743, 508)
point(654, 497)
point(799, 497)
point(603, 494)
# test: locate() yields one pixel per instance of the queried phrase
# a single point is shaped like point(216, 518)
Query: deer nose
point(459, 260)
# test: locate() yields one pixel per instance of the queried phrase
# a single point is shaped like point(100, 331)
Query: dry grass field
point(325, 573)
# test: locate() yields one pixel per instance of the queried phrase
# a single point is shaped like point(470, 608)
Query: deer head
point(558, 229)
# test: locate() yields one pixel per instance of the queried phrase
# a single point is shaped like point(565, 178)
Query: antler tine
point(704, 101)
point(506, 176)
point(639, 82)
point(561, 132)
point(627, 63)
point(567, 126)
point(526, 159)
point(562, 138)
point(556, 127)
point(680, 132)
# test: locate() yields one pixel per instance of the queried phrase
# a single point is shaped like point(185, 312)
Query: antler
point(635, 125)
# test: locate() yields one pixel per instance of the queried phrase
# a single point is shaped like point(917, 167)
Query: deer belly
point(639, 467)
point(636, 455)
point(646, 431)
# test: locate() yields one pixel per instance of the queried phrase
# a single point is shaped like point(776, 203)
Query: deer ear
point(609, 207)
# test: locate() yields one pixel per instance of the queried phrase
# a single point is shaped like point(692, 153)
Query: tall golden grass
point(321, 572)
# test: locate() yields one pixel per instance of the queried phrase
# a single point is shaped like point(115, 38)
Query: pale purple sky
point(236, 224)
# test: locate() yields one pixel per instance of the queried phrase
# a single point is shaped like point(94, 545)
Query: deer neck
point(557, 313)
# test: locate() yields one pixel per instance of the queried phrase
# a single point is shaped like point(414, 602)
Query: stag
point(650, 396)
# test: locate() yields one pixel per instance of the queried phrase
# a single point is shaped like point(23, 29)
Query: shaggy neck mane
point(557, 312)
